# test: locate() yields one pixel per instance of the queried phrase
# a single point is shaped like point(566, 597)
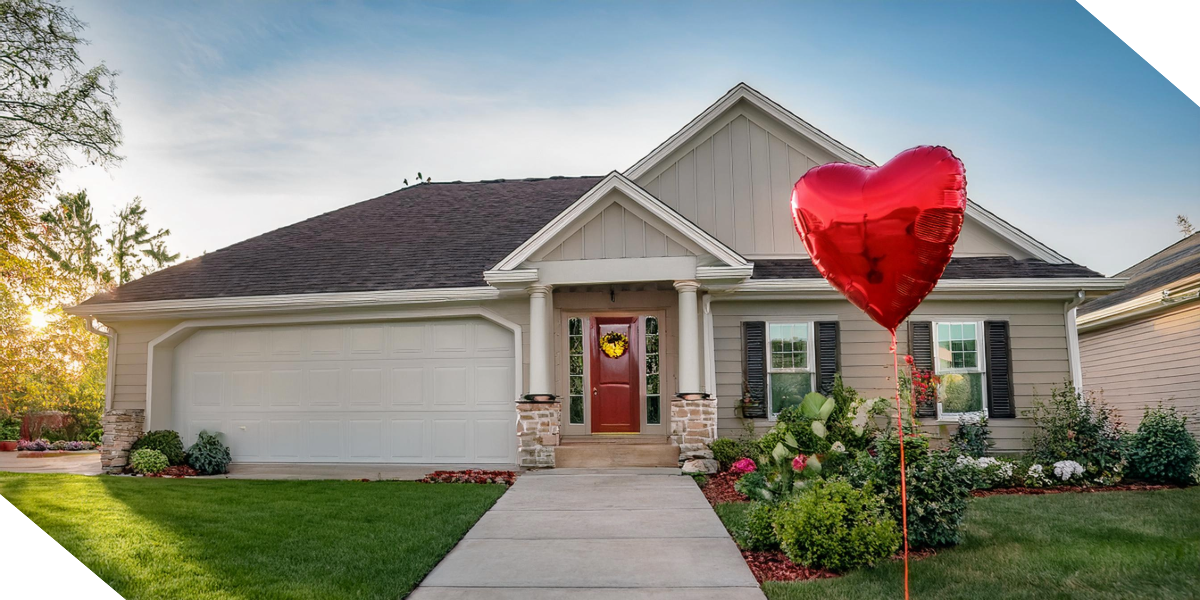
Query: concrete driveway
point(632, 533)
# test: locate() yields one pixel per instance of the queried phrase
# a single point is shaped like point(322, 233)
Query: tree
point(133, 250)
point(1185, 226)
point(69, 237)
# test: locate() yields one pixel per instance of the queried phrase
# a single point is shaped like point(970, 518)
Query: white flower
point(1067, 469)
point(838, 447)
point(1035, 471)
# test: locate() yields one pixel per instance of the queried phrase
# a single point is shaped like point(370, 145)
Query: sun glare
point(38, 318)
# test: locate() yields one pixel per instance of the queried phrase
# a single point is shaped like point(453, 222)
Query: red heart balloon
point(883, 235)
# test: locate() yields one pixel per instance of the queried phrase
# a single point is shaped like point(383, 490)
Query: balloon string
point(903, 486)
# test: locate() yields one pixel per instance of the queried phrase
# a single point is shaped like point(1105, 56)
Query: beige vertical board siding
point(134, 338)
point(615, 233)
point(1146, 362)
point(1039, 352)
point(734, 179)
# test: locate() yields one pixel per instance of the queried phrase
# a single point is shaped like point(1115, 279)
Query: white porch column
point(540, 381)
point(689, 338)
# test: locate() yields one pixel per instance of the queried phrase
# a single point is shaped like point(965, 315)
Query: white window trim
point(980, 351)
point(645, 377)
point(584, 331)
point(808, 359)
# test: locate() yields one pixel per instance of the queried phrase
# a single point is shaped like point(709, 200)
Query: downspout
point(110, 377)
point(710, 355)
point(1069, 313)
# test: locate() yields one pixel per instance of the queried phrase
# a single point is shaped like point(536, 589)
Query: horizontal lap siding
point(133, 337)
point(1039, 352)
point(1146, 362)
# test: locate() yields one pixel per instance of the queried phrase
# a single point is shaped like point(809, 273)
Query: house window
point(653, 394)
point(575, 352)
point(789, 364)
point(958, 363)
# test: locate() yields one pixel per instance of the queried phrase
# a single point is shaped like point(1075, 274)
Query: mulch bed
point(719, 489)
point(176, 472)
point(1021, 491)
point(471, 476)
point(774, 565)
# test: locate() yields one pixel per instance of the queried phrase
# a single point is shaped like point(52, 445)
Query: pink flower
point(799, 462)
point(743, 465)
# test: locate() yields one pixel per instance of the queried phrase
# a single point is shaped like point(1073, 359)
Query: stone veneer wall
point(537, 433)
point(693, 428)
point(122, 428)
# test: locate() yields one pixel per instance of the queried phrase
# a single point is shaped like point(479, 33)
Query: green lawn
point(209, 539)
point(1095, 546)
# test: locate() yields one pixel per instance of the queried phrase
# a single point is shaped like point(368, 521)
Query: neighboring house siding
point(134, 338)
point(1145, 362)
point(615, 233)
point(1039, 352)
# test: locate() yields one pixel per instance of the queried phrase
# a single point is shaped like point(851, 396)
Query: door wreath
point(614, 344)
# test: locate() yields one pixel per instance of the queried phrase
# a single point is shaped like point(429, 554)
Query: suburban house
point(621, 319)
point(1141, 346)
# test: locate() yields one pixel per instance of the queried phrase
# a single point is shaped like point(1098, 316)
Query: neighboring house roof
point(1170, 265)
point(432, 235)
point(967, 267)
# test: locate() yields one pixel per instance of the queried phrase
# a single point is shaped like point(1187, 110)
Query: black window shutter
point(920, 347)
point(754, 342)
point(999, 370)
point(829, 355)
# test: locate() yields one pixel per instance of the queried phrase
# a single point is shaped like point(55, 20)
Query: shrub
point(727, 451)
point(972, 438)
point(165, 441)
point(987, 472)
point(147, 461)
point(832, 525)
point(1069, 426)
point(10, 431)
point(757, 530)
point(1037, 477)
point(937, 489)
point(208, 456)
point(1162, 450)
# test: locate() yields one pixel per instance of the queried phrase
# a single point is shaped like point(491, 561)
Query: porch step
point(636, 439)
point(606, 455)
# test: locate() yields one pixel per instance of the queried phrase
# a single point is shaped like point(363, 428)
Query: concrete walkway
point(595, 535)
point(84, 463)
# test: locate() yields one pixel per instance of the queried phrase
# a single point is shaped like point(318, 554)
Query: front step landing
point(609, 453)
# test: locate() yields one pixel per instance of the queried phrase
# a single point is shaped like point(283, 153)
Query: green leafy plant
point(147, 461)
point(1162, 450)
point(727, 451)
point(10, 430)
point(833, 525)
point(780, 472)
point(165, 441)
point(757, 530)
point(972, 438)
point(1071, 426)
point(208, 456)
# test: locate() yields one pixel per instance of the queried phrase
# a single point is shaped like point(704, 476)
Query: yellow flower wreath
point(614, 344)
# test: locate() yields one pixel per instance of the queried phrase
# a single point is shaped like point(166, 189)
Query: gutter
point(1073, 358)
point(110, 376)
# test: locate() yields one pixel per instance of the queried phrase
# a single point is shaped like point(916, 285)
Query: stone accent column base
point(537, 433)
point(121, 429)
point(693, 428)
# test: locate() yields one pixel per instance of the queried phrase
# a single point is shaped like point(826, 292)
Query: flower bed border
point(1075, 489)
point(53, 453)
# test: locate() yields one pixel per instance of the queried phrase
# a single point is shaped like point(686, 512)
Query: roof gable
point(618, 231)
point(731, 169)
point(616, 188)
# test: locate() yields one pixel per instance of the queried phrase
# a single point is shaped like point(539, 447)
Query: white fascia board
point(289, 302)
point(1019, 238)
point(744, 92)
point(1186, 290)
point(514, 277)
point(722, 272)
point(617, 181)
point(949, 285)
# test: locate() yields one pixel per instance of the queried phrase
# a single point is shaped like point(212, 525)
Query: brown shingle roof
point(1175, 262)
point(432, 235)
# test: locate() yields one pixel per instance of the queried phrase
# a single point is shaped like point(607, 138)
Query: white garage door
point(440, 391)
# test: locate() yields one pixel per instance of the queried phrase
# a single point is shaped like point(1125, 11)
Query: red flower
point(908, 358)
point(799, 462)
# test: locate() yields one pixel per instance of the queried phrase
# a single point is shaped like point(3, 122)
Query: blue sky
point(244, 117)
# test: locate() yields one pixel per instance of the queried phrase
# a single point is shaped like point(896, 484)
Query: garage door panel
point(366, 386)
point(416, 392)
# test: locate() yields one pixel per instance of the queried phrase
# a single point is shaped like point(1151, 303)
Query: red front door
point(615, 381)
